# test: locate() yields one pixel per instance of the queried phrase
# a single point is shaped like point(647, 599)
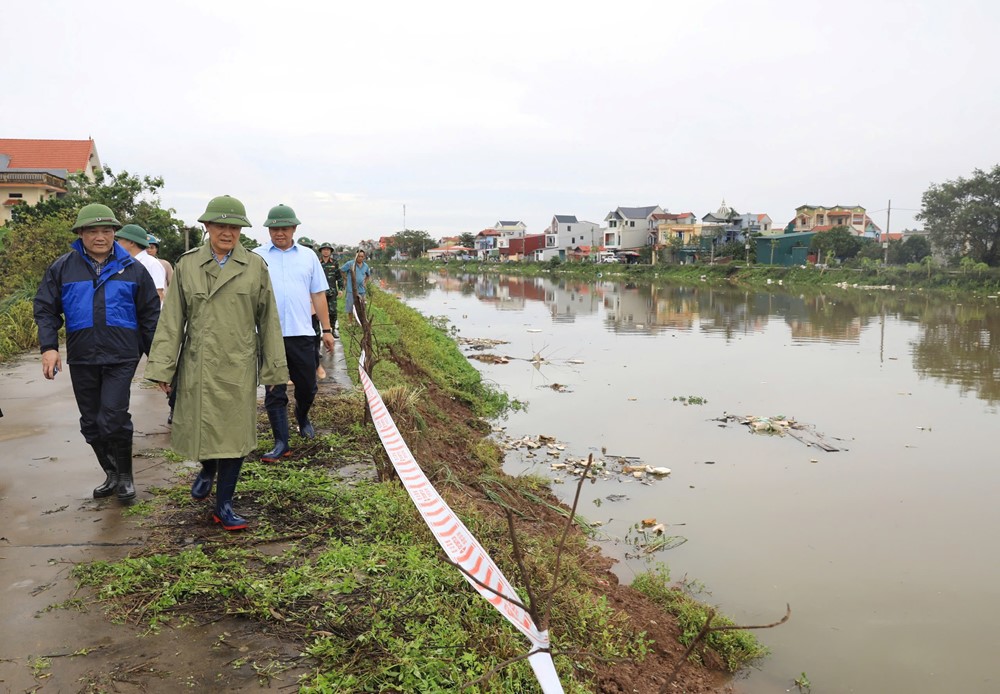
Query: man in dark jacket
point(110, 307)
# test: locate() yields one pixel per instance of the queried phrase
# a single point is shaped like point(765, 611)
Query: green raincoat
point(219, 331)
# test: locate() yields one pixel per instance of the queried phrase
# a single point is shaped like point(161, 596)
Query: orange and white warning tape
point(456, 540)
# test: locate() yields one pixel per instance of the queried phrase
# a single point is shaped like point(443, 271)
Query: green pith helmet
point(226, 209)
point(282, 216)
point(134, 233)
point(96, 215)
point(325, 245)
point(307, 242)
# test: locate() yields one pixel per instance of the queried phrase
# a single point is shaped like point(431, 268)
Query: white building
point(631, 228)
point(566, 233)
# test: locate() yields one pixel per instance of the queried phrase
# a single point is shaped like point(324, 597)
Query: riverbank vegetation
point(342, 565)
point(969, 277)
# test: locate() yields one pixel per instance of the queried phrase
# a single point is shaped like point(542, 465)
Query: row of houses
point(627, 230)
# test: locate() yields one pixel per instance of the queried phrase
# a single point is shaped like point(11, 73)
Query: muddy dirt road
point(49, 521)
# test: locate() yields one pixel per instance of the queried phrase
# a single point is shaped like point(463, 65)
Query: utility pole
point(885, 244)
point(404, 216)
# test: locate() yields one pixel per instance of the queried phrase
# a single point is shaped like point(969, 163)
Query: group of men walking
point(230, 320)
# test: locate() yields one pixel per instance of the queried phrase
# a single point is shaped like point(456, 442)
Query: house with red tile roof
point(822, 218)
point(35, 170)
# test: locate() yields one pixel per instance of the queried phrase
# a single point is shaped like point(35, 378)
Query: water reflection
point(957, 344)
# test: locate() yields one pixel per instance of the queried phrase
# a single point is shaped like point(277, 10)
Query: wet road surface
point(49, 521)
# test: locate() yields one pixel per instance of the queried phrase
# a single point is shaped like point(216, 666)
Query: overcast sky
point(468, 113)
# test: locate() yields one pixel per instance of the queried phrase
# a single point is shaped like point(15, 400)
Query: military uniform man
point(336, 279)
point(109, 306)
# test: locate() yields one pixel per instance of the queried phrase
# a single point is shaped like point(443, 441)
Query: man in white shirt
point(134, 239)
point(300, 286)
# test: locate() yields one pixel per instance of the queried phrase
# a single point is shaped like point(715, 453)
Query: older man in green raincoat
point(219, 333)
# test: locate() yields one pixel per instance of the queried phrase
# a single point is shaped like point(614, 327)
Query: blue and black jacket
point(109, 318)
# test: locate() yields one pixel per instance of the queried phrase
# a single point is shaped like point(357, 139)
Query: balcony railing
point(32, 178)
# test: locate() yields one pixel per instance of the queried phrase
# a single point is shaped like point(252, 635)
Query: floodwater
point(886, 550)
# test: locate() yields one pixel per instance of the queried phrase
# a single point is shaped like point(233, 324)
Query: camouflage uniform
point(336, 280)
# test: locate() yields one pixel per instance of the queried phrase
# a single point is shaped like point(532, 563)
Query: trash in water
point(781, 426)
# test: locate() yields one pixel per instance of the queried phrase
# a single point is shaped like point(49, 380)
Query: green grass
point(377, 607)
point(737, 649)
point(18, 332)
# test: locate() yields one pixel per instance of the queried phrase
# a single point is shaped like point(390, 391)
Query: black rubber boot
point(107, 488)
point(306, 429)
point(121, 450)
point(202, 486)
point(229, 472)
point(279, 425)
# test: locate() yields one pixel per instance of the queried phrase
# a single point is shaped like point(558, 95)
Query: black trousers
point(102, 396)
point(300, 353)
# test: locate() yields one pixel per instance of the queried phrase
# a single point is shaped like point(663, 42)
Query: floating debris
point(780, 426)
point(558, 387)
point(481, 342)
point(490, 358)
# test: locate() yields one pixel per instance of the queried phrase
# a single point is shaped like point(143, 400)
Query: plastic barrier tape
point(455, 539)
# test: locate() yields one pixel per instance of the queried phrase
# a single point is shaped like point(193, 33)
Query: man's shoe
point(202, 486)
point(229, 472)
point(121, 450)
point(279, 426)
point(107, 463)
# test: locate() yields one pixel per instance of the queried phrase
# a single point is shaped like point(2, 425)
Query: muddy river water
point(886, 550)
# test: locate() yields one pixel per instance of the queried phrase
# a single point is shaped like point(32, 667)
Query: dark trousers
point(300, 353)
point(102, 396)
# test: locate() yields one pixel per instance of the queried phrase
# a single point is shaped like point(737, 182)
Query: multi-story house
point(726, 225)
point(820, 218)
point(566, 234)
point(487, 244)
point(682, 228)
point(630, 228)
point(509, 230)
point(35, 170)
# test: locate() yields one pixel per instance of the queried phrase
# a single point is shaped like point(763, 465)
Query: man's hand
point(164, 386)
point(51, 363)
point(328, 342)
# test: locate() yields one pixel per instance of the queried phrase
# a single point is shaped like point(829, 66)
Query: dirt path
point(50, 521)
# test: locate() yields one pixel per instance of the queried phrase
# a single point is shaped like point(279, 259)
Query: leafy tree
point(963, 216)
point(840, 242)
point(467, 239)
point(911, 249)
point(248, 243)
point(870, 250)
point(413, 243)
point(30, 248)
point(122, 192)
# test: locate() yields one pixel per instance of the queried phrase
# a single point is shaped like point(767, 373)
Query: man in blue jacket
point(110, 307)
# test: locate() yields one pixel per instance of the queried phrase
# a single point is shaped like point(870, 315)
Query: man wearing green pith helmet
point(220, 335)
point(109, 307)
point(300, 291)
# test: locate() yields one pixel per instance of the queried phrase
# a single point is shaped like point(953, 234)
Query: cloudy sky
point(467, 113)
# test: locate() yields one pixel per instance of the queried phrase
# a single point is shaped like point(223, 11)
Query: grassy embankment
point(976, 281)
point(18, 332)
point(348, 570)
